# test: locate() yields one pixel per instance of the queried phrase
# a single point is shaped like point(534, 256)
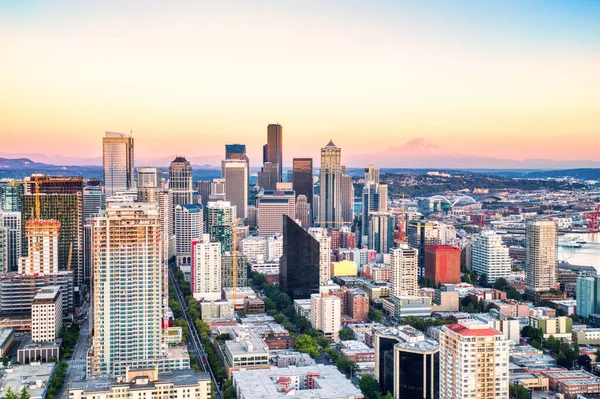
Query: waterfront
point(587, 255)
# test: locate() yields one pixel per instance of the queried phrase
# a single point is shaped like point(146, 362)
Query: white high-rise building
point(128, 292)
point(206, 269)
point(320, 234)
point(254, 248)
point(404, 273)
point(302, 211)
point(42, 254)
point(235, 172)
point(541, 267)
point(272, 205)
point(473, 361)
point(275, 247)
point(11, 223)
point(149, 177)
point(117, 162)
point(489, 256)
point(46, 314)
point(330, 181)
point(326, 314)
point(189, 225)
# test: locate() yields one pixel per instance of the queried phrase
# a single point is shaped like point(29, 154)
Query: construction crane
point(37, 194)
point(592, 221)
point(234, 259)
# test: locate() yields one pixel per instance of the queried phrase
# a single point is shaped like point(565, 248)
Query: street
point(76, 369)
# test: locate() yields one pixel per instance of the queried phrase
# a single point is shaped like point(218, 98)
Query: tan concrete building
point(541, 267)
point(46, 314)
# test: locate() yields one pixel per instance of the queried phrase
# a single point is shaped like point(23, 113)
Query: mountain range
point(416, 153)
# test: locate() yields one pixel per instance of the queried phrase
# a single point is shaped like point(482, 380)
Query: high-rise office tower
point(272, 205)
point(127, 293)
point(275, 148)
point(541, 266)
point(217, 190)
point(324, 240)
point(206, 269)
point(330, 180)
point(404, 273)
point(473, 361)
point(381, 231)
point(10, 196)
point(189, 226)
point(267, 177)
point(374, 198)
point(235, 173)
point(220, 217)
point(61, 199)
point(10, 222)
point(347, 199)
point(407, 363)
point(303, 211)
point(204, 190)
point(238, 151)
point(299, 268)
point(42, 255)
point(180, 181)
point(302, 169)
point(421, 233)
point(326, 314)
point(227, 270)
point(587, 292)
point(149, 177)
point(94, 200)
point(372, 174)
point(489, 256)
point(117, 162)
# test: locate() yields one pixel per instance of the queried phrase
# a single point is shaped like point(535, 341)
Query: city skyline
point(514, 82)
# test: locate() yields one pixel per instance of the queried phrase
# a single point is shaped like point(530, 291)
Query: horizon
point(513, 82)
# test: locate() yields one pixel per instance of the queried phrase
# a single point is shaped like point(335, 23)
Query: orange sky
point(190, 79)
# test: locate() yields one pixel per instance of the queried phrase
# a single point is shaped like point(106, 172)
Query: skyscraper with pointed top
point(330, 180)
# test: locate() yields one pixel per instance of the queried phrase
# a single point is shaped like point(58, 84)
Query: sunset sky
point(512, 79)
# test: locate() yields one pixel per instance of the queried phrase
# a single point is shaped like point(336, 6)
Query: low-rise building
point(211, 310)
point(559, 327)
point(318, 381)
point(7, 339)
point(254, 304)
point(145, 383)
point(35, 376)
point(245, 350)
point(399, 307)
point(588, 336)
point(357, 351)
point(292, 358)
point(302, 307)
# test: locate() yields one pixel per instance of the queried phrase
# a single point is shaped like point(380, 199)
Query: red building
point(357, 305)
point(442, 264)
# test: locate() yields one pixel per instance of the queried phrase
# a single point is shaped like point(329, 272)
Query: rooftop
point(473, 328)
point(34, 376)
point(265, 383)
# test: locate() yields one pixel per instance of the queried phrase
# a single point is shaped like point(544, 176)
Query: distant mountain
point(20, 163)
point(422, 153)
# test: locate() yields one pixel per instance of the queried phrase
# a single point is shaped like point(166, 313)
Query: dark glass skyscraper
point(299, 265)
point(275, 147)
point(303, 178)
point(10, 196)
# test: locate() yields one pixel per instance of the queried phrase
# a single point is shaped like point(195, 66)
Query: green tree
point(10, 394)
point(346, 366)
point(369, 387)
point(307, 344)
point(346, 334)
point(518, 392)
point(387, 396)
point(375, 316)
point(585, 361)
point(24, 393)
point(5, 361)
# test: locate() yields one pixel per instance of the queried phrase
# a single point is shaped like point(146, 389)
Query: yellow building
point(345, 268)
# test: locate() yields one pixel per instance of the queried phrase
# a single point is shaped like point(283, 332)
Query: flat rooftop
point(34, 376)
point(263, 384)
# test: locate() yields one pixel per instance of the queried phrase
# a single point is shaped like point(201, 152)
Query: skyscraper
point(206, 269)
point(489, 256)
point(299, 266)
point(10, 196)
point(61, 199)
point(381, 231)
point(421, 233)
point(220, 218)
point(541, 267)
point(302, 169)
point(10, 222)
point(128, 291)
point(267, 177)
point(303, 211)
point(406, 363)
point(227, 270)
point(275, 148)
point(180, 181)
point(235, 173)
point(149, 177)
point(238, 151)
point(374, 198)
point(330, 180)
point(117, 162)
point(42, 256)
point(347, 199)
point(442, 264)
point(404, 273)
point(189, 226)
point(473, 361)
point(272, 205)
point(324, 240)
point(326, 314)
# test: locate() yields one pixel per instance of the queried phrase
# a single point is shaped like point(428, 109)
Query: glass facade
point(227, 271)
point(303, 178)
point(117, 162)
point(10, 197)
point(300, 263)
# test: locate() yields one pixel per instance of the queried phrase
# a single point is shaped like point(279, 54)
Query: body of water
point(587, 255)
